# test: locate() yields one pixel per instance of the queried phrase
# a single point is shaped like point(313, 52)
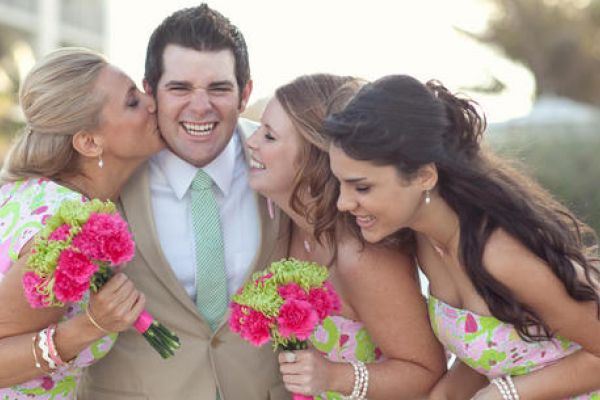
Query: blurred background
point(533, 65)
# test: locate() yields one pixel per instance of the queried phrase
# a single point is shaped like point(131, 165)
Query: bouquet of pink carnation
point(284, 304)
point(77, 250)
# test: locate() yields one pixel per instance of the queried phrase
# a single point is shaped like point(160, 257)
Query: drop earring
point(270, 208)
point(100, 161)
point(427, 196)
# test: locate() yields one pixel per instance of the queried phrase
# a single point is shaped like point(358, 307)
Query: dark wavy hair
point(401, 122)
point(307, 101)
point(200, 28)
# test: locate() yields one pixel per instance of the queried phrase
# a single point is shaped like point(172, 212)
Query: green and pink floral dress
point(493, 348)
point(25, 207)
point(341, 340)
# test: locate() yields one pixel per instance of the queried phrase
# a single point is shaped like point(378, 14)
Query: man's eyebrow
point(178, 83)
point(225, 83)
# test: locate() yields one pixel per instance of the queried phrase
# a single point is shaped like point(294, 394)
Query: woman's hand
point(117, 304)
point(308, 373)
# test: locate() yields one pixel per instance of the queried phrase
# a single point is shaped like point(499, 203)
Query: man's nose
point(200, 100)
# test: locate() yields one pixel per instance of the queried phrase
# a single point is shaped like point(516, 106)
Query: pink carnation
point(255, 327)
point(88, 244)
point(66, 289)
point(32, 282)
point(76, 266)
point(119, 248)
point(321, 301)
point(61, 233)
point(292, 291)
point(334, 299)
point(235, 318)
point(298, 318)
point(105, 237)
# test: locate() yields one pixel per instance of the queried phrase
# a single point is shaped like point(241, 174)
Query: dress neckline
point(461, 310)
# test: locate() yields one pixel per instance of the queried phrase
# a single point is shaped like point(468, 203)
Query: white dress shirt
point(170, 181)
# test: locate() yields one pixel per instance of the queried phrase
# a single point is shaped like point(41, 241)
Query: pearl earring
point(427, 196)
point(100, 161)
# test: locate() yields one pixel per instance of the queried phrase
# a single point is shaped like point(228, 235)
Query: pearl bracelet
point(513, 388)
point(506, 387)
point(361, 381)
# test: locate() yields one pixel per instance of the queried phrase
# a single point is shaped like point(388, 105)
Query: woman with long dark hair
point(513, 274)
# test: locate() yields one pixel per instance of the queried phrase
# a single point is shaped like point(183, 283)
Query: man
point(197, 69)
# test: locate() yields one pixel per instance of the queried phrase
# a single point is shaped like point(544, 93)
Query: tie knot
point(201, 181)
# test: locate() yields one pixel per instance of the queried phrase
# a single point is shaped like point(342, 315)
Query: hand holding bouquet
point(284, 304)
point(77, 250)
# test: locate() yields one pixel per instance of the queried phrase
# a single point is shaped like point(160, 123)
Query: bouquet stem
point(156, 334)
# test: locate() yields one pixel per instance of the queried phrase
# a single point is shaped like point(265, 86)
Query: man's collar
point(179, 173)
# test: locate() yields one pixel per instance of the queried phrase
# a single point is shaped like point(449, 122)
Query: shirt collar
point(180, 174)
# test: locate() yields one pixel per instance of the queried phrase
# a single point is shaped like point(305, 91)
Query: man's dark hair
point(200, 28)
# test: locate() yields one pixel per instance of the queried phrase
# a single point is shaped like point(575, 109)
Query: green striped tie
point(211, 282)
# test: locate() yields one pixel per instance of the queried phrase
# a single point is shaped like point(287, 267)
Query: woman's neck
point(96, 183)
point(283, 203)
point(440, 224)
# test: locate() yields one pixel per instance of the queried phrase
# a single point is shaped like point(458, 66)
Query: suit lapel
point(137, 207)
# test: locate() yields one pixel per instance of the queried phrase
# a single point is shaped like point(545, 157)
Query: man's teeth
point(256, 164)
point(196, 129)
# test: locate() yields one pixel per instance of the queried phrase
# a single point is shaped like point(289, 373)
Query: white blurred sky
point(363, 38)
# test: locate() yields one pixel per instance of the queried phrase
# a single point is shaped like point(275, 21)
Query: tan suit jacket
point(206, 361)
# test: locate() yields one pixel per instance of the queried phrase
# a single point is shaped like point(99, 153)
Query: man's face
point(198, 102)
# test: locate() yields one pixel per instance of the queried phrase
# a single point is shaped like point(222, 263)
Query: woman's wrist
point(342, 378)
point(74, 335)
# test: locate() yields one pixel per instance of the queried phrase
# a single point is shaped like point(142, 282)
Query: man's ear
point(427, 176)
point(88, 144)
point(245, 95)
point(147, 87)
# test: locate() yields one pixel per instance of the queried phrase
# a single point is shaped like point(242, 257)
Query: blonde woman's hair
point(59, 99)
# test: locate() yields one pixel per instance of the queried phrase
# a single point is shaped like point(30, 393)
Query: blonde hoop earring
point(427, 196)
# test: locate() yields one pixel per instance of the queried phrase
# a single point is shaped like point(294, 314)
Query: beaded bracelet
point(361, 381)
point(43, 345)
point(513, 388)
point(52, 346)
point(506, 387)
point(363, 393)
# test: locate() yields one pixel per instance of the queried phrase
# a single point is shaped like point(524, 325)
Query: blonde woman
point(88, 127)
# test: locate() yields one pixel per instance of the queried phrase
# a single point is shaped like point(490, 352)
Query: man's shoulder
point(246, 127)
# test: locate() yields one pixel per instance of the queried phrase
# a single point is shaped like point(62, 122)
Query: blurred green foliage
point(562, 159)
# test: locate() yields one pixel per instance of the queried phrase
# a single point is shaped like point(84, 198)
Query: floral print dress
point(492, 347)
point(25, 207)
point(342, 340)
